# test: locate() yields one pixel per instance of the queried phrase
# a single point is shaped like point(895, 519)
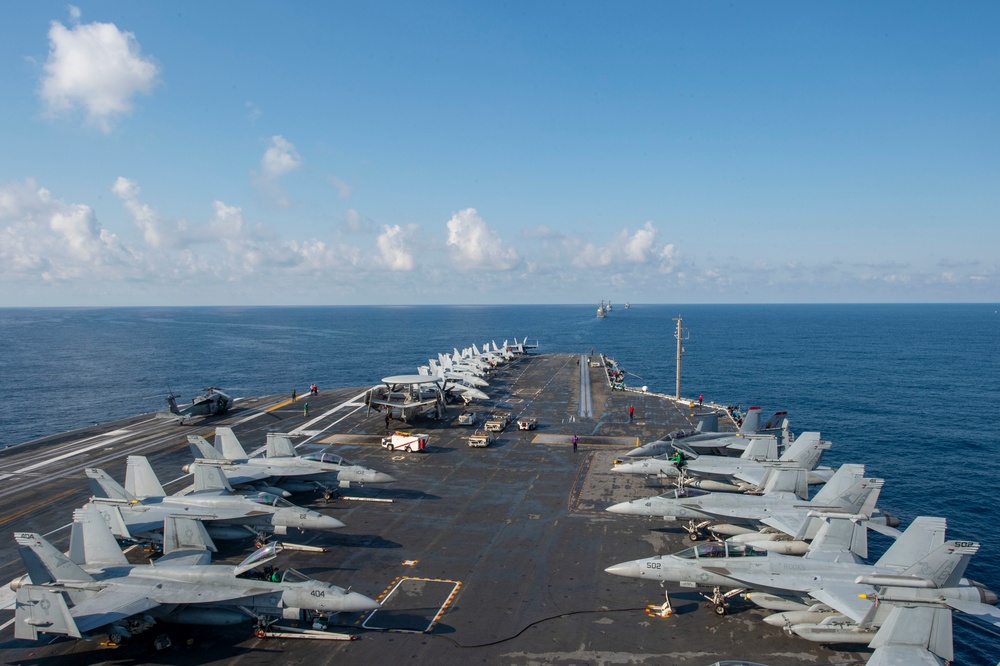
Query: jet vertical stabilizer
point(708, 422)
point(227, 444)
point(751, 422)
point(185, 534)
point(924, 534)
point(102, 485)
point(838, 534)
point(45, 564)
point(759, 448)
point(114, 519)
point(92, 537)
point(776, 422)
point(787, 481)
point(851, 501)
point(909, 633)
point(209, 477)
point(279, 445)
point(806, 450)
point(946, 564)
point(845, 477)
point(200, 448)
point(140, 479)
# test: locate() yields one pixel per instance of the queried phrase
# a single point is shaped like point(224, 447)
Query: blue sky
point(524, 152)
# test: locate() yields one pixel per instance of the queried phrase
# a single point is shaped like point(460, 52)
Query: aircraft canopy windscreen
point(293, 576)
point(270, 500)
point(331, 458)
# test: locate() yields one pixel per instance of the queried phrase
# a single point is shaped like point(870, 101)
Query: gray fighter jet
point(280, 468)
point(94, 586)
point(726, 473)
point(779, 507)
point(138, 510)
point(824, 576)
point(718, 443)
point(916, 629)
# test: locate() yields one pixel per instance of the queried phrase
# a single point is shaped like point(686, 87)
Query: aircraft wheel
point(720, 610)
point(693, 536)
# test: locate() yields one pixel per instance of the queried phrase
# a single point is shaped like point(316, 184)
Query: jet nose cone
point(621, 507)
point(382, 477)
point(624, 468)
point(353, 602)
point(636, 453)
point(323, 522)
point(628, 569)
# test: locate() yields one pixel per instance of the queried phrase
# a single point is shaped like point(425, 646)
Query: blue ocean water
point(909, 390)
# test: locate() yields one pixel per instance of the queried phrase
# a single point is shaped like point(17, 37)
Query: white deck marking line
point(353, 400)
point(49, 461)
point(586, 401)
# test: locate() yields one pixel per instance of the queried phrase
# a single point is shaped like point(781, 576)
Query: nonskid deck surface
point(492, 555)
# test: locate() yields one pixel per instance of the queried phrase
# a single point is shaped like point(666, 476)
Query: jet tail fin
point(845, 477)
point(708, 422)
point(279, 445)
point(102, 485)
point(945, 565)
point(918, 540)
point(44, 563)
point(851, 501)
point(209, 477)
point(786, 480)
point(919, 628)
point(200, 448)
point(112, 516)
point(775, 422)
point(751, 422)
point(40, 610)
point(185, 534)
point(761, 447)
point(806, 450)
point(91, 539)
point(140, 479)
point(226, 441)
point(840, 533)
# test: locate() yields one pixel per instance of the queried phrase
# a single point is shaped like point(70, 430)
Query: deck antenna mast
point(681, 334)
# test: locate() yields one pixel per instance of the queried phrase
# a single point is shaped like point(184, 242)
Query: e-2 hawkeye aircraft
point(94, 587)
point(137, 512)
point(280, 471)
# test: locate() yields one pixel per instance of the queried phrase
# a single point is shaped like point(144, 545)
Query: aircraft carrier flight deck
point(490, 555)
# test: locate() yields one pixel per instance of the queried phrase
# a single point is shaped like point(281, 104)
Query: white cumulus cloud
point(392, 245)
point(97, 67)
point(154, 232)
point(475, 246)
point(627, 247)
point(43, 238)
point(280, 157)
